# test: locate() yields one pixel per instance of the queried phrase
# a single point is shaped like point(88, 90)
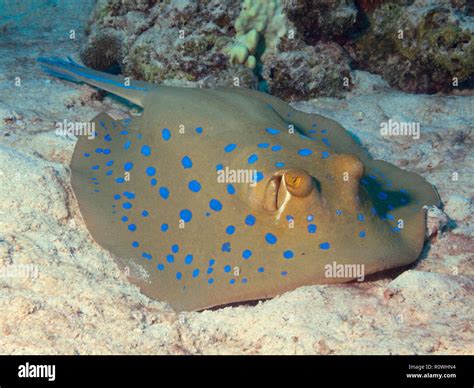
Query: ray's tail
point(70, 70)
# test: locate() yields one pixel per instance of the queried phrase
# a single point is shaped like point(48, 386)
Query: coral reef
point(166, 42)
point(307, 72)
point(169, 43)
point(295, 49)
point(424, 47)
point(323, 20)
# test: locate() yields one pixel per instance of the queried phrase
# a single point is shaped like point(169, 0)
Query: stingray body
point(226, 195)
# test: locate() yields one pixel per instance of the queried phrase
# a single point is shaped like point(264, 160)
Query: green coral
point(261, 23)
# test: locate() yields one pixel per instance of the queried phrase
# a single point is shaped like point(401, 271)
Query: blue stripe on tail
point(53, 66)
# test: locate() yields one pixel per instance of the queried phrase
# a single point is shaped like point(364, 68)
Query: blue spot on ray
point(324, 246)
point(270, 238)
point(165, 134)
point(188, 259)
point(150, 171)
point(305, 152)
point(246, 254)
point(230, 147)
point(186, 215)
point(288, 254)
point(226, 247)
point(272, 131)
point(146, 150)
point(250, 220)
point(194, 186)
point(215, 205)
point(252, 159)
point(164, 192)
point(186, 162)
point(230, 189)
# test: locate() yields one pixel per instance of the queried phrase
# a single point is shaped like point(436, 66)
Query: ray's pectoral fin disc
point(153, 195)
point(101, 183)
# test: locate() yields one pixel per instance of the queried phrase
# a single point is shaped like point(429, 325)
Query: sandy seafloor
point(81, 304)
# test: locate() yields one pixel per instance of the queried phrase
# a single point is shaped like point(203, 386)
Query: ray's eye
point(298, 182)
point(283, 184)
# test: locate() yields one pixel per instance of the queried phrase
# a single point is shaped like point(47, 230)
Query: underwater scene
point(236, 177)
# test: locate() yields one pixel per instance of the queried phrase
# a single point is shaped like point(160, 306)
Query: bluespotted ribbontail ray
point(150, 193)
